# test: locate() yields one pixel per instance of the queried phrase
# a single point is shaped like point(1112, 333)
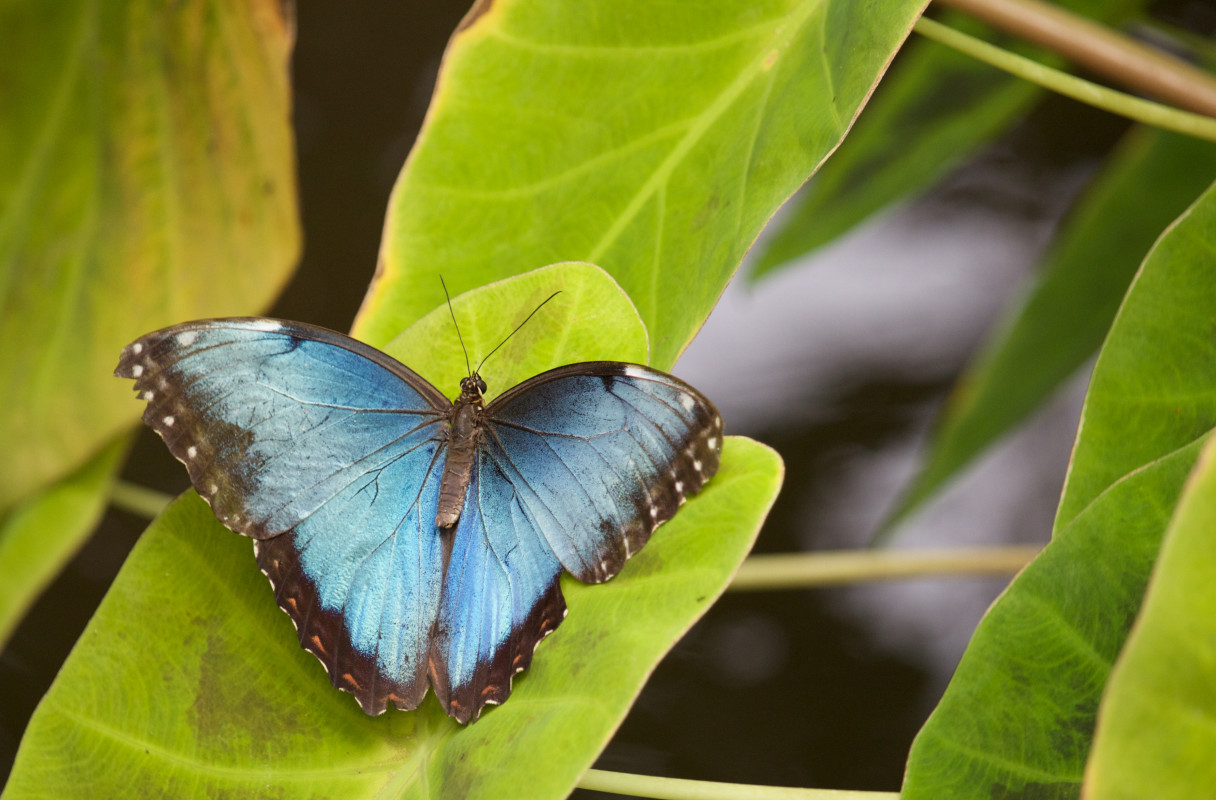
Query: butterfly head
point(472, 389)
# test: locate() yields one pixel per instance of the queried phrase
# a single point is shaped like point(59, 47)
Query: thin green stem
point(679, 789)
point(1084, 91)
point(138, 499)
point(804, 570)
point(1115, 57)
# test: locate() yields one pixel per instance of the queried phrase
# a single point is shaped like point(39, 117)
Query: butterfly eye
point(472, 387)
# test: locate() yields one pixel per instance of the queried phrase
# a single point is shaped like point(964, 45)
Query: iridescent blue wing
point(329, 453)
point(576, 468)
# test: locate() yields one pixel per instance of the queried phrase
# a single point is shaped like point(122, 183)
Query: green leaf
point(654, 139)
point(1157, 723)
point(146, 176)
point(933, 111)
point(591, 320)
point(1018, 717)
point(1148, 182)
point(39, 536)
point(189, 681)
point(1153, 390)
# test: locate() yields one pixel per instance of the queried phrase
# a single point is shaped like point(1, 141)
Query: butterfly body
point(415, 542)
point(463, 435)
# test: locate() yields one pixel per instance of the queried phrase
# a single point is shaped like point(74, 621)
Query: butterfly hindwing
point(362, 577)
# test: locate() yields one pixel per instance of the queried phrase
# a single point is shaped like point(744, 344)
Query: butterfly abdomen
point(462, 452)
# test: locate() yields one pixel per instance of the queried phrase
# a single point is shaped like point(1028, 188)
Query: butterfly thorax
point(462, 433)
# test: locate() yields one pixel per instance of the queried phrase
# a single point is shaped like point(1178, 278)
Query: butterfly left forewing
point(272, 418)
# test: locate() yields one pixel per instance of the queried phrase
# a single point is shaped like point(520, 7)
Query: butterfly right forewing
point(601, 454)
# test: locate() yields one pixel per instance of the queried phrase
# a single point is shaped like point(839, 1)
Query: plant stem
point(1099, 49)
point(138, 499)
point(680, 789)
point(1071, 86)
point(803, 570)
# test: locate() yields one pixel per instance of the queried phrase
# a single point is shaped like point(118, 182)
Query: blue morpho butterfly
point(412, 540)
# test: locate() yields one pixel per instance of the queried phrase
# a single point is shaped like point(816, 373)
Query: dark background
point(788, 687)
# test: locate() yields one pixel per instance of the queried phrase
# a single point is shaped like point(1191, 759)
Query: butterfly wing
point(602, 454)
point(500, 597)
point(575, 469)
point(328, 453)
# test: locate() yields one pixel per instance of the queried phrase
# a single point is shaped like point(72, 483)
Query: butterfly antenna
point(448, 297)
point(517, 327)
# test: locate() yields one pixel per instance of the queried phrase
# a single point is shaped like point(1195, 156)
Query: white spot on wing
point(696, 464)
point(137, 370)
point(712, 442)
point(148, 395)
point(635, 372)
point(687, 401)
point(191, 451)
point(137, 348)
point(264, 325)
point(679, 486)
point(187, 338)
point(169, 420)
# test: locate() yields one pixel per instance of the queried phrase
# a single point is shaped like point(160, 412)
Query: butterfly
point(416, 542)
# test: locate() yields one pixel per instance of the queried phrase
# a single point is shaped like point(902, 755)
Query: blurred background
point(840, 363)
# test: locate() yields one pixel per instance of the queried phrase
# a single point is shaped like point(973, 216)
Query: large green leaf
point(1157, 724)
point(146, 176)
point(1149, 181)
point(934, 109)
point(40, 534)
point(654, 139)
point(1019, 714)
point(190, 682)
point(1153, 390)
